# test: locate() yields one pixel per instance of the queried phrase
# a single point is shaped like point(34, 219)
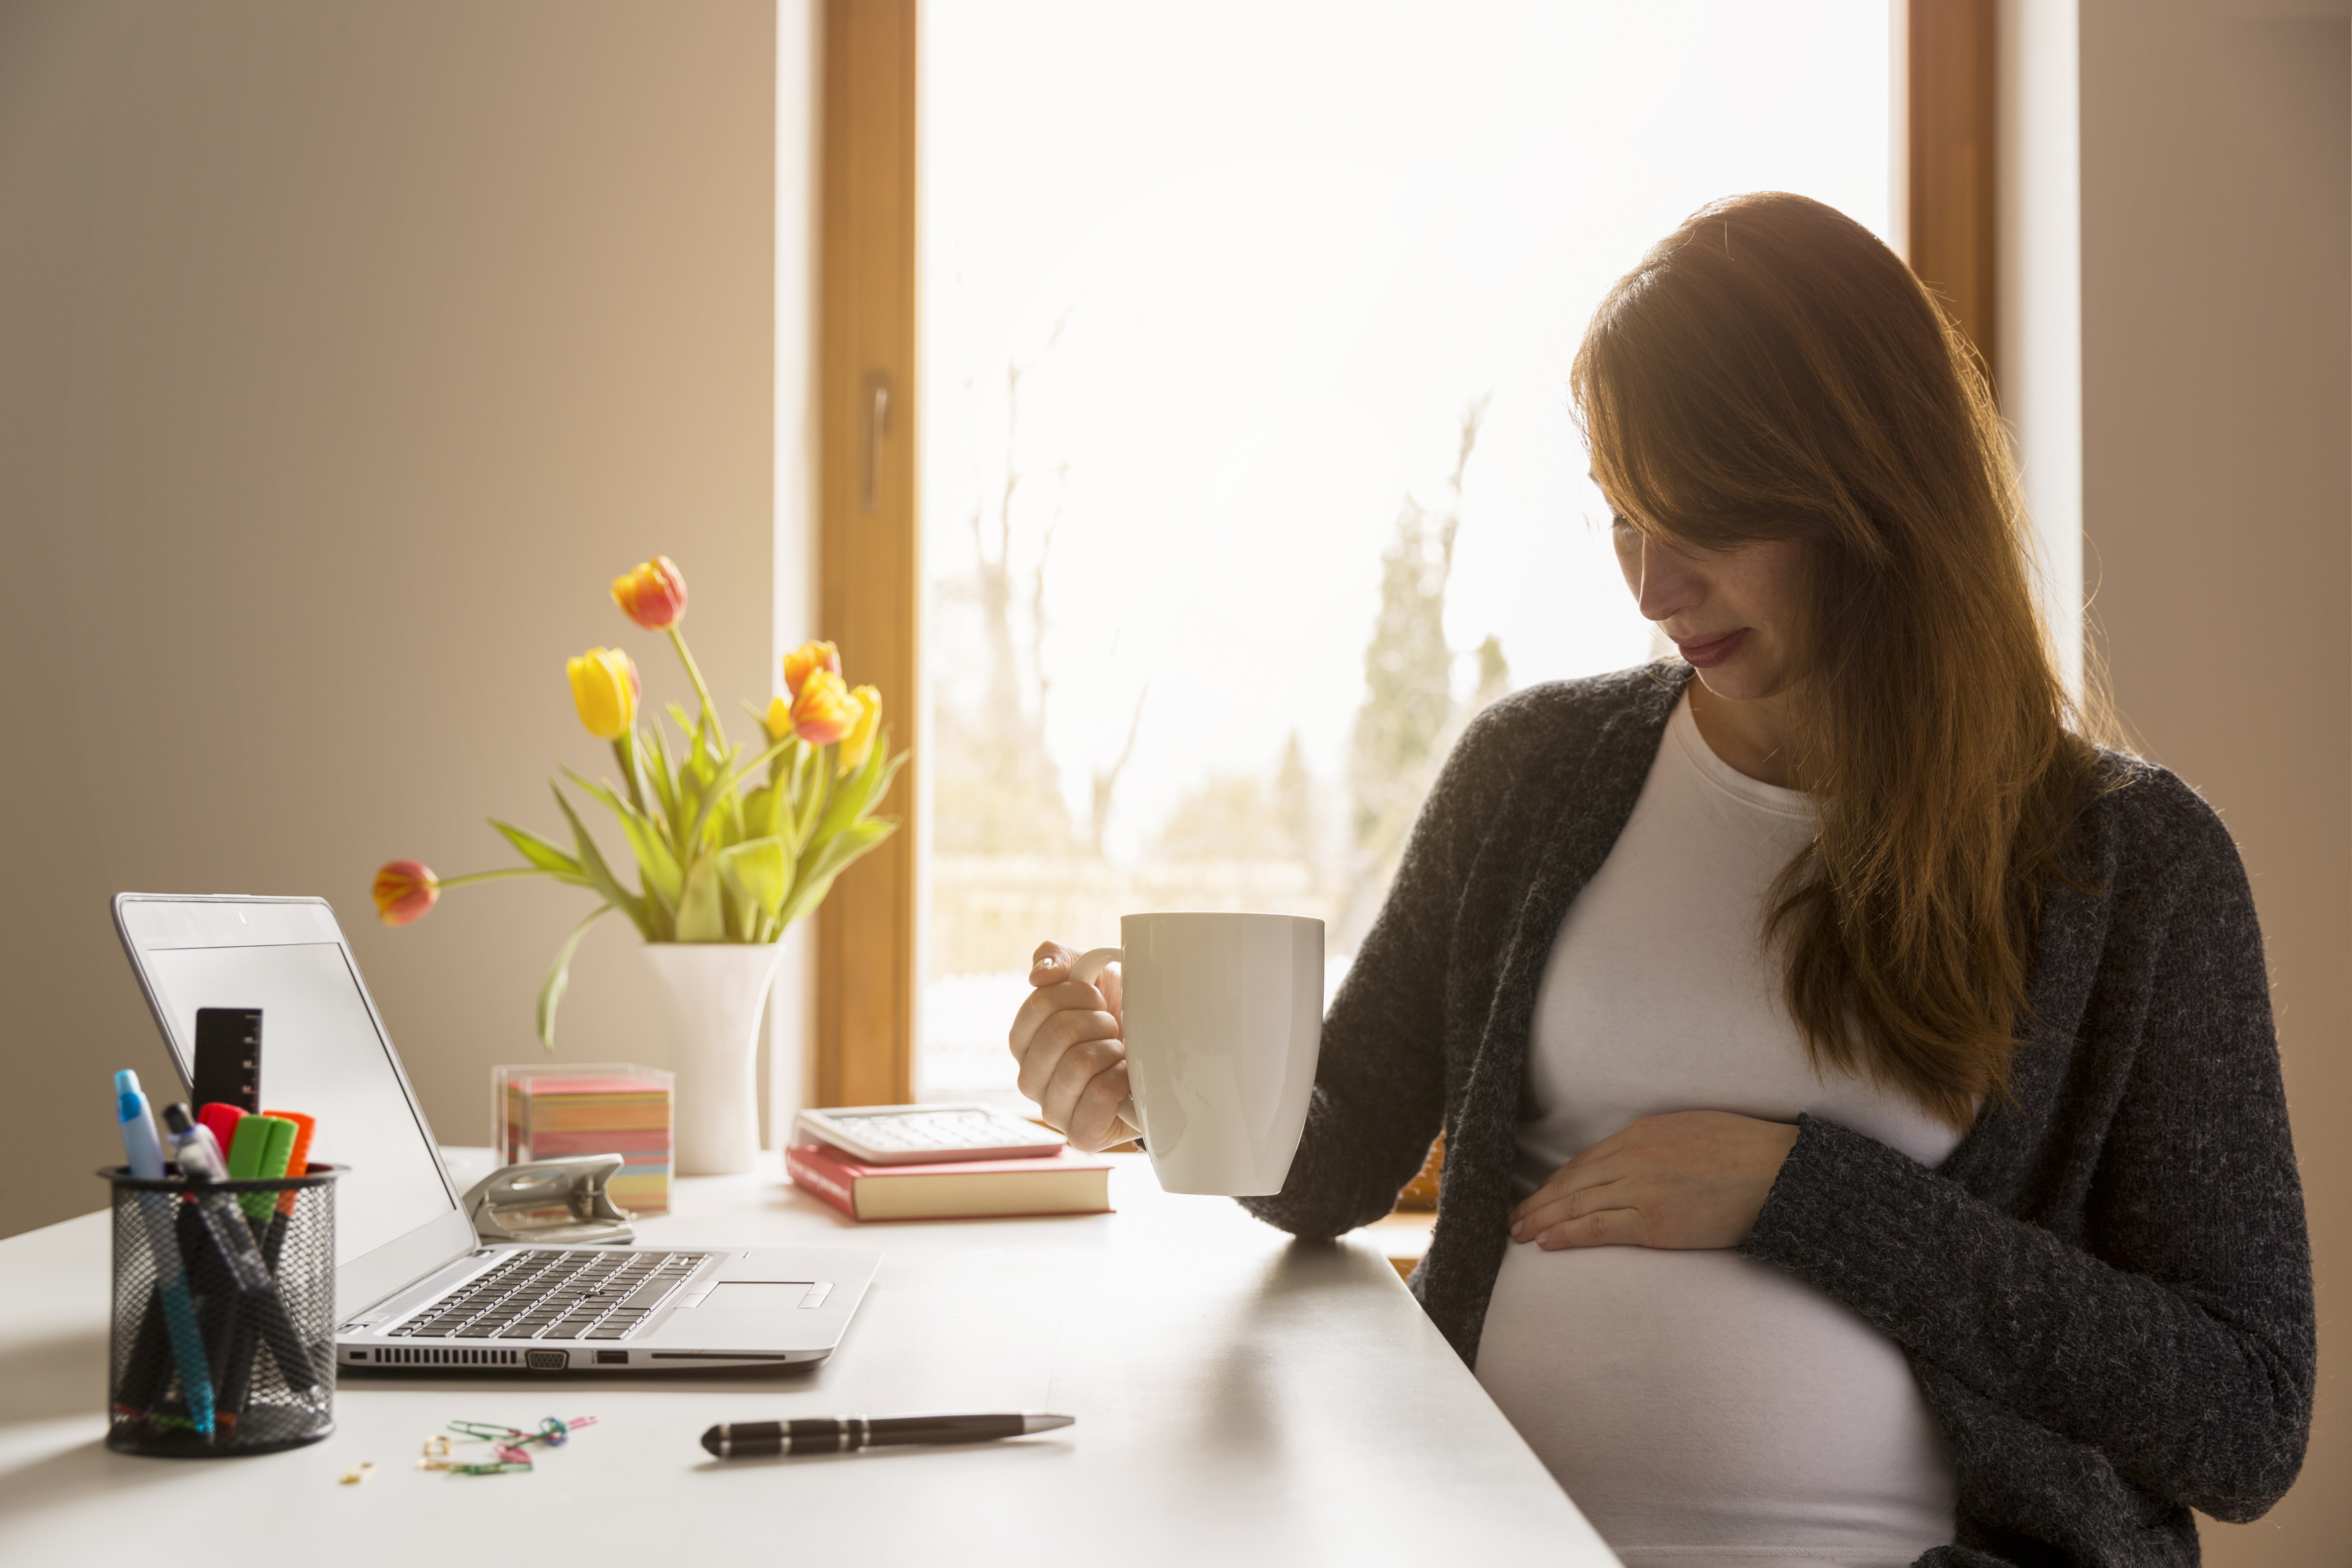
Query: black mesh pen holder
point(223, 1323)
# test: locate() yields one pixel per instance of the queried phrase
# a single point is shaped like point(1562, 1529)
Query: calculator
point(926, 1134)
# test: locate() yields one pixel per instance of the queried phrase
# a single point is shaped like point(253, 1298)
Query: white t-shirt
point(1702, 1409)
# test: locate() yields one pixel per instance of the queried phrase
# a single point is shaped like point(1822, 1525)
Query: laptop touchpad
point(758, 1295)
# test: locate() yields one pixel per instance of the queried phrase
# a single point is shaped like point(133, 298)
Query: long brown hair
point(1772, 371)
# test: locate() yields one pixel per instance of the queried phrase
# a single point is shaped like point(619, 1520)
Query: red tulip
point(404, 889)
point(653, 594)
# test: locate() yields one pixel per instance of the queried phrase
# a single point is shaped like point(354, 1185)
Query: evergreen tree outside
point(1409, 718)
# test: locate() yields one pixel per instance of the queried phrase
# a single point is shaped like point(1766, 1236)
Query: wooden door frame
point(869, 565)
point(1951, 103)
point(869, 570)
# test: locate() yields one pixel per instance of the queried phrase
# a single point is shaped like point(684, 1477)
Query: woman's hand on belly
point(1692, 1179)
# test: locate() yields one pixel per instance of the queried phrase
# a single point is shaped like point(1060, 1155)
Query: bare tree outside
point(1012, 862)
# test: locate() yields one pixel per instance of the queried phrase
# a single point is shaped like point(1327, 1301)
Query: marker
point(298, 1164)
point(843, 1434)
point(221, 1120)
point(263, 1145)
point(145, 1152)
point(262, 1151)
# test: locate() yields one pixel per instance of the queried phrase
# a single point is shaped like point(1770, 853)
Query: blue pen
point(144, 1151)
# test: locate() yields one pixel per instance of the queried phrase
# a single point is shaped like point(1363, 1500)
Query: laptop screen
point(320, 1054)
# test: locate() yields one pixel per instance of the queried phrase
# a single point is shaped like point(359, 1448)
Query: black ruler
point(228, 1059)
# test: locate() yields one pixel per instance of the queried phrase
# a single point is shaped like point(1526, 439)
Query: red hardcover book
point(1065, 1182)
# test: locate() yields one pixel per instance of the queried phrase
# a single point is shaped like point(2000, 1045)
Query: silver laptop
point(414, 1286)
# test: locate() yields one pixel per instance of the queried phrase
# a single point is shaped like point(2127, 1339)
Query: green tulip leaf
point(662, 778)
point(810, 790)
point(658, 868)
point(624, 752)
point(724, 792)
point(818, 872)
point(759, 872)
point(542, 854)
point(700, 916)
point(559, 976)
point(599, 875)
point(762, 813)
point(863, 790)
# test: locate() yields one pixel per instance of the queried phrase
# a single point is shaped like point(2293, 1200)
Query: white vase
point(715, 991)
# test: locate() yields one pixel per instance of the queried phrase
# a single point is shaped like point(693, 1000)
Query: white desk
point(1241, 1400)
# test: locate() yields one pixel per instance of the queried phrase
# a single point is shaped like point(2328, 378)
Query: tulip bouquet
point(726, 850)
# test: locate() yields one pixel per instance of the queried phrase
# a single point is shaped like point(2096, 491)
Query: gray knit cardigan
point(2105, 1291)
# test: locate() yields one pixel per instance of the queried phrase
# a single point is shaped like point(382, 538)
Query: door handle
point(877, 425)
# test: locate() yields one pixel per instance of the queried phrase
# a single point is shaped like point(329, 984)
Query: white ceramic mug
point(1223, 1015)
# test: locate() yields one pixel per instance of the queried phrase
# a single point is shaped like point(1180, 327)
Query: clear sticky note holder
point(541, 1112)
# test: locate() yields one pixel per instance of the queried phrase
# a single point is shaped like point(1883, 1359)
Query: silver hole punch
point(544, 1201)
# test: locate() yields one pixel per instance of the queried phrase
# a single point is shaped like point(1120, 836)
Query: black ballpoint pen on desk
point(842, 1433)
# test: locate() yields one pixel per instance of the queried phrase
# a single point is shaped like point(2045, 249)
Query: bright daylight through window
point(1249, 473)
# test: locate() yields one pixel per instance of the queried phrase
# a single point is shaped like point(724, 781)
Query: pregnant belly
point(1697, 1403)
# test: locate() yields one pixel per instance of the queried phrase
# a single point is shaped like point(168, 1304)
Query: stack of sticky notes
point(607, 1108)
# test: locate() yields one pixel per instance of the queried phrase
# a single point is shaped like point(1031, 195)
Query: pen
point(145, 1152)
point(842, 1433)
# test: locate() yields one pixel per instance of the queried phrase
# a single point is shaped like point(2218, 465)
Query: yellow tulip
point(605, 688)
point(860, 738)
point(824, 711)
point(806, 660)
point(778, 721)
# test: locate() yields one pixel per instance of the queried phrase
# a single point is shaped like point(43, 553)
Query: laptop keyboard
point(543, 1294)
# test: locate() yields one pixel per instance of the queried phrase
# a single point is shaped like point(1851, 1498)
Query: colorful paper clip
point(510, 1444)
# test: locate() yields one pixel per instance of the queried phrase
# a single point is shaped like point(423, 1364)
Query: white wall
point(792, 1008)
point(346, 352)
point(2038, 286)
point(2216, 409)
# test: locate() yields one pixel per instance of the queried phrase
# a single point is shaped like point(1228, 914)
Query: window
point(1247, 471)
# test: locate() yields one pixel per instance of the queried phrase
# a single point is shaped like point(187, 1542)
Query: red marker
point(221, 1119)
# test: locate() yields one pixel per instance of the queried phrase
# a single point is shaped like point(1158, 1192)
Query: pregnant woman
point(1864, 1140)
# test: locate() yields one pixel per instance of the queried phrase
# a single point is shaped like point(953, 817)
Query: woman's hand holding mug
point(1204, 1044)
point(1073, 1058)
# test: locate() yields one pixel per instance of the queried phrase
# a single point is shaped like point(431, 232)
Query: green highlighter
point(263, 1149)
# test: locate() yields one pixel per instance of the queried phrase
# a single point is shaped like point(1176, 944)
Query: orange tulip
point(604, 688)
point(653, 594)
point(860, 738)
point(824, 711)
point(404, 891)
point(806, 660)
